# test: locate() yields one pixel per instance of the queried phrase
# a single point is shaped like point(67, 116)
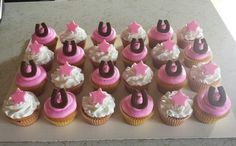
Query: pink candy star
point(72, 26)
point(133, 27)
point(140, 68)
point(65, 69)
point(179, 99)
point(97, 96)
point(192, 26)
point(210, 68)
point(18, 96)
point(104, 46)
point(35, 47)
point(169, 44)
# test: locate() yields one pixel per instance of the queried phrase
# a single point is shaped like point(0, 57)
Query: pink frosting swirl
point(153, 33)
point(189, 52)
point(136, 57)
point(47, 39)
point(96, 36)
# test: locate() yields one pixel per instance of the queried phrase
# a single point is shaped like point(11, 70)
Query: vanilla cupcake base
point(196, 85)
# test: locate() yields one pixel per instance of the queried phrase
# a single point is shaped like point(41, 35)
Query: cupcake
point(21, 108)
point(45, 35)
point(211, 105)
point(97, 107)
point(71, 53)
point(138, 76)
point(104, 32)
point(134, 52)
point(174, 108)
point(40, 54)
point(104, 51)
point(106, 76)
point(163, 52)
point(61, 108)
point(31, 77)
point(137, 107)
point(202, 76)
point(199, 52)
point(133, 31)
point(74, 33)
point(68, 77)
point(187, 35)
point(160, 33)
point(171, 77)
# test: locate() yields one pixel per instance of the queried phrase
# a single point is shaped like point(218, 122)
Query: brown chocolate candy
point(64, 99)
point(73, 50)
point(133, 47)
point(159, 26)
point(197, 46)
point(38, 31)
point(134, 98)
point(23, 69)
point(222, 98)
point(169, 66)
point(111, 69)
point(100, 29)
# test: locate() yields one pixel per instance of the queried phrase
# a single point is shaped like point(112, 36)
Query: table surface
point(18, 25)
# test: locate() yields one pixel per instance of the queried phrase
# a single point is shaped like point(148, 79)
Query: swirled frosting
point(128, 36)
point(96, 36)
point(191, 35)
point(47, 39)
point(129, 55)
point(78, 35)
point(161, 53)
point(155, 34)
point(189, 52)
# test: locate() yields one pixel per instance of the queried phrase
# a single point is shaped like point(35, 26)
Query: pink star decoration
point(192, 26)
point(140, 68)
point(169, 44)
point(65, 69)
point(210, 68)
point(18, 96)
point(133, 27)
point(97, 96)
point(71, 26)
point(104, 46)
point(179, 99)
point(35, 47)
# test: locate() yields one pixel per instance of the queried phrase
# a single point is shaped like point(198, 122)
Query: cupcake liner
point(130, 63)
point(62, 121)
point(109, 88)
point(130, 88)
point(171, 120)
point(77, 89)
point(52, 45)
point(190, 62)
point(152, 42)
point(80, 64)
point(158, 63)
point(96, 43)
point(181, 42)
point(48, 66)
point(82, 44)
point(124, 42)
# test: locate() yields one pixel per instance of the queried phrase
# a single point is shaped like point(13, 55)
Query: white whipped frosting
point(97, 56)
point(78, 36)
point(132, 79)
point(197, 72)
point(23, 109)
point(129, 36)
point(160, 53)
point(99, 110)
point(191, 35)
point(167, 107)
point(62, 81)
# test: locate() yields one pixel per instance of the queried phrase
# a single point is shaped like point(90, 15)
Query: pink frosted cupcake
point(188, 34)
point(106, 76)
point(137, 107)
point(200, 52)
point(160, 33)
point(133, 31)
point(31, 77)
point(104, 32)
point(45, 35)
point(171, 77)
point(74, 33)
point(211, 105)
point(71, 53)
point(202, 76)
point(163, 52)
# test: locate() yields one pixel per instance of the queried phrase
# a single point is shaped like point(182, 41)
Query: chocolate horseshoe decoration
point(134, 98)
point(168, 68)
point(38, 32)
point(222, 98)
point(160, 29)
point(100, 29)
point(66, 48)
point(141, 46)
point(111, 69)
point(196, 46)
point(64, 99)
point(23, 69)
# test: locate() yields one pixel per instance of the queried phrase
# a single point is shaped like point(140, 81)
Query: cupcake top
point(67, 76)
point(167, 50)
point(134, 31)
point(98, 104)
point(43, 34)
point(163, 31)
point(214, 101)
point(73, 32)
point(136, 51)
point(106, 74)
point(176, 104)
point(104, 51)
point(70, 53)
point(30, 74)
point(172, 72)
point(39, 53)
point(138, 74)
point(104, 32)
point(139, 104)
point(60, 104)
point(20, 104)
point(192, 31)
point(206, 73)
